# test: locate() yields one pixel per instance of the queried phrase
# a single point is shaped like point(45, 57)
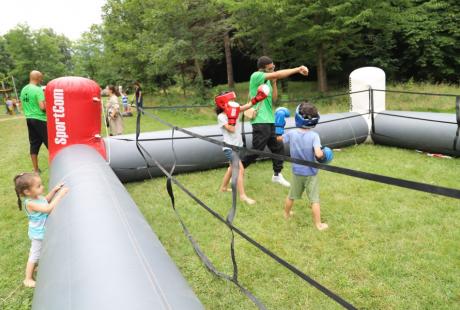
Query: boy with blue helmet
point(305, 144)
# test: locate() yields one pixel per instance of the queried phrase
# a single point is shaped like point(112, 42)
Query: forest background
point(190, 46)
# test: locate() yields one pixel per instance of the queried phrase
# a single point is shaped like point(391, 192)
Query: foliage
point(173, 43)
point(37, 50)
point(429, 36)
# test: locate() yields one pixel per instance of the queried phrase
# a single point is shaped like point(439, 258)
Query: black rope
point(178, 107)
point(457, 110)
point(322, 97)
point(415, 93)
point(423, 187)
point(242, 130)
point(229, 221)
point(416, 118)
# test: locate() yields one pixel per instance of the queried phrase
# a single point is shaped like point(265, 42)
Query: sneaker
point(279, 179)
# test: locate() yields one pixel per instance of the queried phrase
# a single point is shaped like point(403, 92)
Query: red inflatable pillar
point(73, 109)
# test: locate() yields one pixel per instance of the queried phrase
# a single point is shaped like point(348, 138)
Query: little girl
point(37, 207)
point(232, 135)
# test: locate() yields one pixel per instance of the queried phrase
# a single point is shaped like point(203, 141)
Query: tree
point(429, 40)
point(5, 59)
point(90, 59)
point(328, 30)
point(20, 45)
point(41, 50)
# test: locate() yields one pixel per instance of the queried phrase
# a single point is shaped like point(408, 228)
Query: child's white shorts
point(35, 249)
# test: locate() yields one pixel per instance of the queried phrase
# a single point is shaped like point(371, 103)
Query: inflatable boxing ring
point(99, 251)
point(368, 120)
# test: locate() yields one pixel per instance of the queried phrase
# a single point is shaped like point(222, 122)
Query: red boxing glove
point(233, 111)
point(262, 92)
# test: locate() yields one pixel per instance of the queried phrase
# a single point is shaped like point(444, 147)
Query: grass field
point(387, 247)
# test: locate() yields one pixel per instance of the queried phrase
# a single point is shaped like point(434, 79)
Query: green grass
point(387, 247)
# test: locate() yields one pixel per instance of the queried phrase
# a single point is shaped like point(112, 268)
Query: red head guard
point(222, 100)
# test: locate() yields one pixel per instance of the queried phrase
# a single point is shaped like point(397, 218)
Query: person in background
point(139, 95)
point(114, 116)
point(124, 101)
point(33, 104)
point(9, 105)
point(16, 105)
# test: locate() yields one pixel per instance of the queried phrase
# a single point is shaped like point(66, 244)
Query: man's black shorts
point(38, 134)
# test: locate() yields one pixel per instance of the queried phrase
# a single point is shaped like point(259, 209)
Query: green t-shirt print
point(31, 95)
point(265, 112)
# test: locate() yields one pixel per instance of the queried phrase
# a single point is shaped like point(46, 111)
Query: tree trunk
point(228, 60)
point(182, 74)
point(198, 70)
point(322, 73)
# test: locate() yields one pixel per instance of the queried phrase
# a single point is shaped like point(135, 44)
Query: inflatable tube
point(411, 130)
point(99, 252)
point(194, 154)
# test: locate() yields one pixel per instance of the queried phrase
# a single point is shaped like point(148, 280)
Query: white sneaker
point(279, 179)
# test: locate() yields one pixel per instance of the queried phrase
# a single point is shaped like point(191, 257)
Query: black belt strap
point(229, 221)
point(428, 188)
point(457, 109)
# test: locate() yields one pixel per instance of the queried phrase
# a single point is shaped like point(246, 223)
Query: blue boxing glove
point(328, 155)
point(280, 120)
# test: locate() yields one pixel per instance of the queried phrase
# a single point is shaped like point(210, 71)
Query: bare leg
point(240, 186)
point(226, 180)
point(287, 207)
point(29, 280)
point(34, 158)
point(316, 214)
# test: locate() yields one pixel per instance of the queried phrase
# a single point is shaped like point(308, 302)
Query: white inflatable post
point(367, 78)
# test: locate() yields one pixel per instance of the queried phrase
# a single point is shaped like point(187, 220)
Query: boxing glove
point(262, 92)
point(232, 111)
point(328, 155)
point(280, 120)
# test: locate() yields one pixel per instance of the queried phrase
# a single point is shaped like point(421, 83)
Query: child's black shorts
point(38, 134)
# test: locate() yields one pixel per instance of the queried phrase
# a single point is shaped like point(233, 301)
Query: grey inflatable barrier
point(194, 154)
point(99, 252)
point(418, 134)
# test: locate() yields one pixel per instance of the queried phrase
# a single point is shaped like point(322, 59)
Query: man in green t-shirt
point(263, 126)
point(33, 105)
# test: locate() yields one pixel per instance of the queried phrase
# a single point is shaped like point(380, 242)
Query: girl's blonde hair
point(22, 182)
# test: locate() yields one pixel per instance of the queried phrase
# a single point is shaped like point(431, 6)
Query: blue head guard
point(308, 122)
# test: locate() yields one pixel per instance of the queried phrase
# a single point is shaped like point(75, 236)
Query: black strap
point(174, 107)
point(229, 221)
point(416, 118)
point(428, 188)
point(322, 97)
point(414, 93)
point(243, 131)
point(457, 110)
